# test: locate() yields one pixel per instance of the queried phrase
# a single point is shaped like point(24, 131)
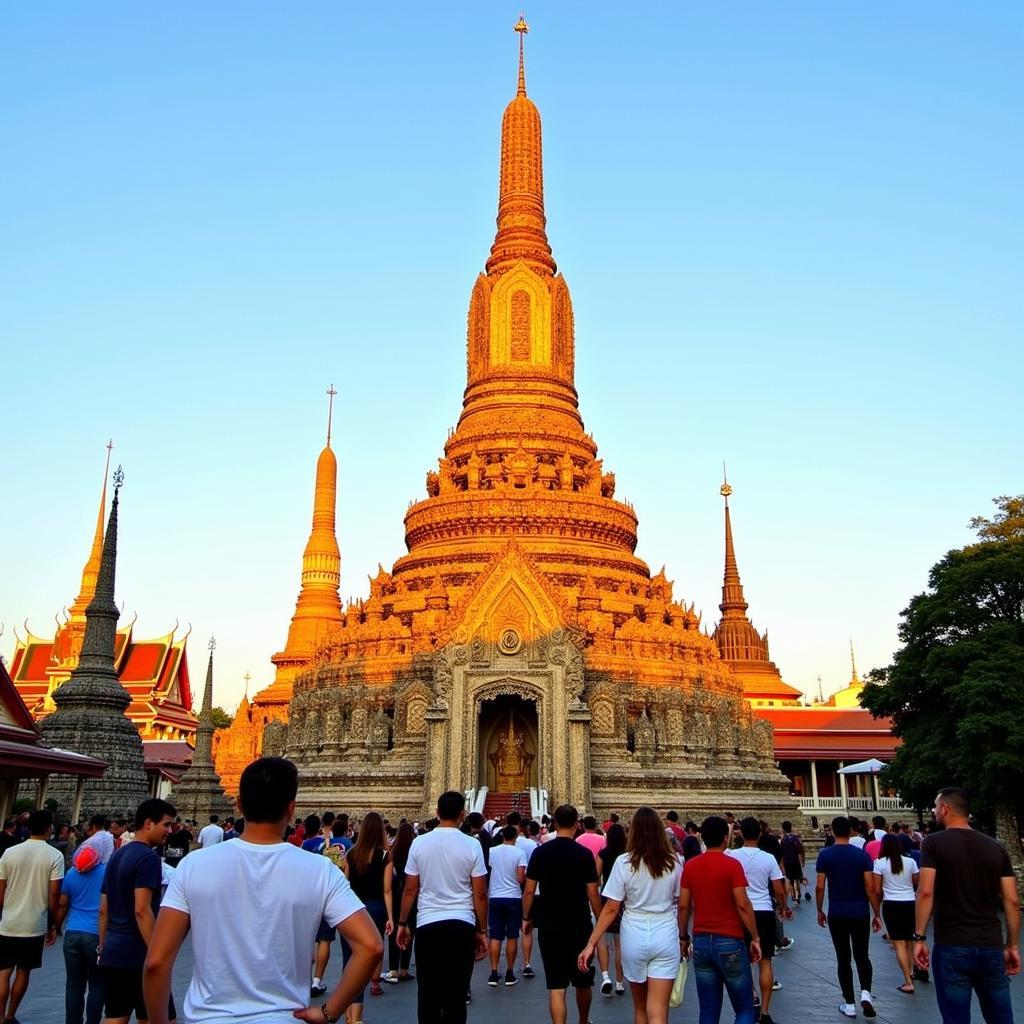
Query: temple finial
point(522, 28)
point(725, 490)
point(854, 678)
point(330, 412)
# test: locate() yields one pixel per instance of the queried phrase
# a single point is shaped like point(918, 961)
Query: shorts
point(898, 916)
point(650, 946)
point(504, 918)
point(23, 952)
point(325, 933)
point(794, 870)
point(767, 923)
point(559, 951)
point(123, 993)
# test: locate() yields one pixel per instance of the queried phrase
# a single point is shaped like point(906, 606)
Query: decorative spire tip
point(330, 412)
point(725, 490)
point(212, 644)
point(522, 28)
point(118, 479)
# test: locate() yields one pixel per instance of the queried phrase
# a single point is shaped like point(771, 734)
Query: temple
point(154, 672)
point(519, 650)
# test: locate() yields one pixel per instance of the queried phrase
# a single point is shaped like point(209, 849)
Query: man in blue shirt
point(128, 906)
point(79, 915)
point(848, 870)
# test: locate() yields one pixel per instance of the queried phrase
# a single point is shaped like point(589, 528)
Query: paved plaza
point(809, 991)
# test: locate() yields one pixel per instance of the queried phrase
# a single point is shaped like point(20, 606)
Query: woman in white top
point(645, 881)
point(895, 880)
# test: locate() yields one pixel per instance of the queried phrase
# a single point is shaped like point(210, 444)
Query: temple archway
point(508, 744)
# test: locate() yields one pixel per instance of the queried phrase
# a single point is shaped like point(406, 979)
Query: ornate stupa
point(153, 671)
point(199, 793)
point(90, 718)
point(519, 649)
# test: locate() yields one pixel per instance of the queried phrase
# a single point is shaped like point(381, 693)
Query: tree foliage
point(221, 719)
point(955, 689)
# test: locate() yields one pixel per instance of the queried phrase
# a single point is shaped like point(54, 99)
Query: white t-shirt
point(28, 869)
point(255, 911)
point(526, 845)
point(897, 887)
point(213, 833)
point(445, 860)
point(640, 890)
point(102, 842)
point(859, 841)
point(505, 864)
point(761, 869)
point(879, 834)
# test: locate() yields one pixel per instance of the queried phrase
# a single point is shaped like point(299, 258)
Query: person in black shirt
point(8, 838)
point(567, 876)
point(179, 842)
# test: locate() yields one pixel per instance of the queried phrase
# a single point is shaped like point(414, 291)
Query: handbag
point(676, 998)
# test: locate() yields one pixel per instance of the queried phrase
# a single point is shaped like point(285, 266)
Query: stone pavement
point(809, 993)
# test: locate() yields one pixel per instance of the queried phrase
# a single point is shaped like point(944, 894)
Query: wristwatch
point(918, 937)
point(327, 1014)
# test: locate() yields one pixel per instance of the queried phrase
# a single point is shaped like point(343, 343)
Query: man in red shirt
point(714, 888)
point(673, 827)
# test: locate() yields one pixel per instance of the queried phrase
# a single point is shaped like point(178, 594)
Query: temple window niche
point(521, 326)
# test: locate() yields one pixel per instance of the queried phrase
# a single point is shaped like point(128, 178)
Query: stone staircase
point(498, 804)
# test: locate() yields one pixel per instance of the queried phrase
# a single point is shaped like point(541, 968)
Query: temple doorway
point(508, 744)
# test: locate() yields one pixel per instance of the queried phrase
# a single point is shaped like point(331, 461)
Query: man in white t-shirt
point(764, 881)
point(254, 907)
point(505, 903)
point(527, 845)
point(212, 833)
point(30, 877)
point(446, 873)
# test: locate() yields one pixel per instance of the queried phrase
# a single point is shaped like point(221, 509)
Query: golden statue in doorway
point(512, 760)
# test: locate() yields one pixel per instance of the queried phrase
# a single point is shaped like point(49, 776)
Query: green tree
point(221, 719)
point(955, 689)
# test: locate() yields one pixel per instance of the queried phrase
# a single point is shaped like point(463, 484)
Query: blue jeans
point(959, 970)
point(720, 960)
point(82, 971)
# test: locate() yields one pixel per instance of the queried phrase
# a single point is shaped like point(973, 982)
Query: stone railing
point(859, 804)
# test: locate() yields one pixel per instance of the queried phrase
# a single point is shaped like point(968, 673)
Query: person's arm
point(781, 899)
point(359, 931)
point(389, 873)
point(3, 892)
point(103, 921)
point(480, 908)
point(62, 911)
point(819, 898)
point(874, 894)
point(52, 903)
point(145, 919)
point(925, 903)
point(165, 941)
point(605, 917)
point(412, 889)
point(1011, 909)
point(528, 893)
point(746, 912)
point(683, 920)
point(521, 875)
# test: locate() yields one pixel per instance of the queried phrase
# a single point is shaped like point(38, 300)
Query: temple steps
point(498, 804)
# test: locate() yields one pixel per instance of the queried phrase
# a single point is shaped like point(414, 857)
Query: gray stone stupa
point(90, 717)
point(200, 794)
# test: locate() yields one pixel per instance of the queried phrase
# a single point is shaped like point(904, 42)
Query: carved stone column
point(579, 755)
point(436, 775)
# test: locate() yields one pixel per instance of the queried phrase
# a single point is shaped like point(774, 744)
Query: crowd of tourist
point(648, 896)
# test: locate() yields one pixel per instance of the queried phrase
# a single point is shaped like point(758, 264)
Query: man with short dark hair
point(673, 828)
point(129, 901)
point(794, 860)
point(715, 887)
point(445, 872)
point(253, 907)
point(30, 877)
point(505, 903)
point(211, 834)
point(967, 878)
point(691, 844)
point(7, 836)
point(99, 838)
point(848, 871)
point(566, 874)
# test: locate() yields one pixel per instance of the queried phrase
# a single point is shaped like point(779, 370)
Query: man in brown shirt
point(966, 878)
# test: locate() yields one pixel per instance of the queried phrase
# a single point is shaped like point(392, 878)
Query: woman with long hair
point(644, 881)
point(394, 882)
point(366, 865)
point(614, 847)
point(895, 880)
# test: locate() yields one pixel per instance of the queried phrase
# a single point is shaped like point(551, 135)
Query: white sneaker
point(848, 1009)
point(867, 1001)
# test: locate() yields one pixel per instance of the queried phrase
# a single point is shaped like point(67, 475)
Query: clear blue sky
point(792, 233)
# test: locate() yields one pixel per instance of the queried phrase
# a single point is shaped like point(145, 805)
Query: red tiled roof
point(142, 662)
point(842, 734)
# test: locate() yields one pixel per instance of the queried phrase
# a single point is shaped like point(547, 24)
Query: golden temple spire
point(854, 678)
point(733, 603)
point(521, 221)
point(318, 607)
point(91, 570)
point(522, 28)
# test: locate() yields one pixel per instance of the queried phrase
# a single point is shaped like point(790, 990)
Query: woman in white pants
point(645, 879)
